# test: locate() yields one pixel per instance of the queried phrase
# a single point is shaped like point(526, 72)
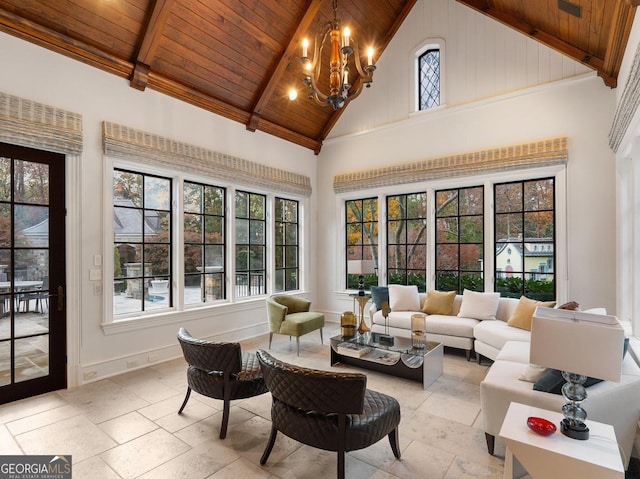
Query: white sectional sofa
point(609, 402)
point(486, 336)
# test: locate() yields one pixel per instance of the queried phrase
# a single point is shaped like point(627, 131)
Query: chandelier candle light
point(342, 48)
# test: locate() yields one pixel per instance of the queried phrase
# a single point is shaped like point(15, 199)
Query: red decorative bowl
point(541, 426)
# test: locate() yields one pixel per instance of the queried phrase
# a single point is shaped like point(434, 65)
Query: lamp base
point(578, 431)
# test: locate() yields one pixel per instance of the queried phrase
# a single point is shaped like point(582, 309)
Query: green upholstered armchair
point(291, 316)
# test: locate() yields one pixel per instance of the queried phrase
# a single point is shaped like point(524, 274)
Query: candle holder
point(348, 324)
point(418, 331)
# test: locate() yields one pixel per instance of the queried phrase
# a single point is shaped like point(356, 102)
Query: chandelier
point(341, 55)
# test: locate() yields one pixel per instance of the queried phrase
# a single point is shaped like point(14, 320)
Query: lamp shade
point(361, 266)
point(580, 343)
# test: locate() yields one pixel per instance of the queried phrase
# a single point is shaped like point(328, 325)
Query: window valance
point(28, 123)
point(627, 106)
point(127, 143)
point(537, 154)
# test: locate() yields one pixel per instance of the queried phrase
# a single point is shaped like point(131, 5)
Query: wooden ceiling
point(239, 58)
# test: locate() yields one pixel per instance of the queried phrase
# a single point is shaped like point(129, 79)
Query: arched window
point(429, 79)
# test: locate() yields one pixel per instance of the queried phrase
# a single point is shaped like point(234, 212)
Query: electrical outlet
point(132, 363)
point(90, 374)
point(153, 357)
point(97, 289)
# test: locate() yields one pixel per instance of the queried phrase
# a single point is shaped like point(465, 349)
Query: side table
point(558, 455)
point(362, 301)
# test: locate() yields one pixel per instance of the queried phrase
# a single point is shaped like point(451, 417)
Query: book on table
point(352, 349)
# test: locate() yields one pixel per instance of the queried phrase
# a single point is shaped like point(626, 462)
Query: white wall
point(37, 74)
point(378, 130)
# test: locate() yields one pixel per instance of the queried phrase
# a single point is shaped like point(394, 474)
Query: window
point(142, 242)
point(429, 79)
point(362, 237)
point(204, 243)
point(286, 245)
point(406, 239)
point(525, 239)
point(251, 244)
point(460, 239)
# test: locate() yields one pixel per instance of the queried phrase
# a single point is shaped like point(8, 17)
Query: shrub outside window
point(525, 239)
point(362, 237)
point(460, 239)
point(406, 240)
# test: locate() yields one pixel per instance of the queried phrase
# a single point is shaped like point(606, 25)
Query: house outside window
point(287, 252)
point(459, 242)
point(204, 243)
point(251, 245)
point(525, 239)
point(361, 237)
point(406, 239)
point(429, 79)
point(142, 229)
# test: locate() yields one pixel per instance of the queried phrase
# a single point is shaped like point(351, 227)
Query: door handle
point(60, 297)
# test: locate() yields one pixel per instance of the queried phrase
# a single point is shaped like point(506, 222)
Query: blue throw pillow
point(379, 294)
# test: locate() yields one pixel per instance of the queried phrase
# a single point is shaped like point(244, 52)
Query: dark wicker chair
point(328, 410)
point(220, 371)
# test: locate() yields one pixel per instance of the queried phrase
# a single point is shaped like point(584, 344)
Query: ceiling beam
point(546, 39)
point(275, 74)
point(150, 40)
point(384, 43)
point(621, 23)
point(63, 44)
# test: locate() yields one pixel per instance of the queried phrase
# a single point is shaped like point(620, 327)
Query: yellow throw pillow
point(522, 315)
point(438, 302)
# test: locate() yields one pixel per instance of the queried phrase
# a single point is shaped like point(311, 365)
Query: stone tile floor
point(127, 426)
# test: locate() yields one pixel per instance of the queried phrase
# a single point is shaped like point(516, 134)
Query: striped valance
point(28, 123)
point(126, 143)
point(627, 105)
point(540, 153)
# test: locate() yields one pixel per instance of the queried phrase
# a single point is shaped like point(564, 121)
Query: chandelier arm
point(318, 94)
point(366, 75)
point(353, 94)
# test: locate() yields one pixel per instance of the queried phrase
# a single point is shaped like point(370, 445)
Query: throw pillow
point(532, 373)
point(522, 315)
point(379, 295)
point(479, 305)
point(438, 302)
point(404, 298)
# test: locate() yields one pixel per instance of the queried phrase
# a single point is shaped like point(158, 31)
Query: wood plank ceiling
point(239, 58)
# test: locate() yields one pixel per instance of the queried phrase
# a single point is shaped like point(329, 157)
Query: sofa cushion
point(379, 295)
point(497, 333)
point(521, 317)
point(479, 305)
point(404, 298)
point(450, 325)
point(438, 302)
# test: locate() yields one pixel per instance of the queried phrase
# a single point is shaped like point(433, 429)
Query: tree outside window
point(142, 241)
point(406, 239)
point(204, 243)
point(460, 239)
point(250, 227)
point(525, 239)
point(362, 237)
point(286, 245)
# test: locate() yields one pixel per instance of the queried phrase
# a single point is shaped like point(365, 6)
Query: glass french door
point(32, 272)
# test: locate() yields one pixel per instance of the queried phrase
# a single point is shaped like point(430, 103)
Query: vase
point(418, 331)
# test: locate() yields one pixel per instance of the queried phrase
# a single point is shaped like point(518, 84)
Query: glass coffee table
point(400, 359)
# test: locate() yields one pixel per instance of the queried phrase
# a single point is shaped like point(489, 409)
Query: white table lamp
point(361, 267)
point(580, 345)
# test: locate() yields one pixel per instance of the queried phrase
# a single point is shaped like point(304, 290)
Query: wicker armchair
point(327, 410)
point(220, 371)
